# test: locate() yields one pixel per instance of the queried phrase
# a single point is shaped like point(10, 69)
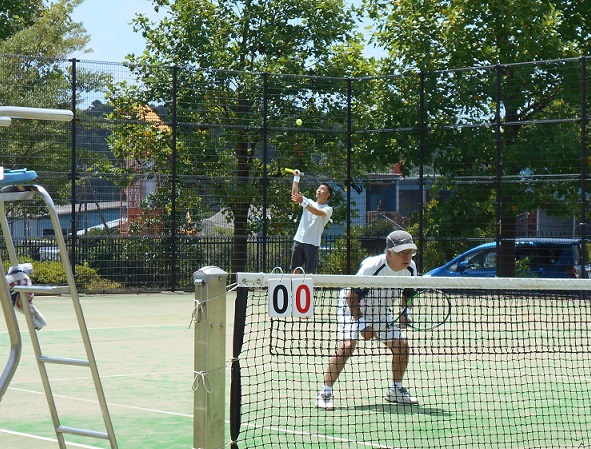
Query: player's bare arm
point(299, 198)
point(295, 185)
point(353, 302)
point(405, 307)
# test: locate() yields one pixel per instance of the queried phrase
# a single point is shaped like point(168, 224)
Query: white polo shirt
point(312, 226)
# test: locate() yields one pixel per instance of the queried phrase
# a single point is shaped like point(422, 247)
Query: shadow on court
point(401, 409)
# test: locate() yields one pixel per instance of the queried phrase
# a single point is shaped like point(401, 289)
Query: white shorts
point(380, 319)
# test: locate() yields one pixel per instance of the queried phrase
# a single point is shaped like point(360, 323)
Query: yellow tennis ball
point(299, 122)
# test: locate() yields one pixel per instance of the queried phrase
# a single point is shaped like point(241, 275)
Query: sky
point(108, 24)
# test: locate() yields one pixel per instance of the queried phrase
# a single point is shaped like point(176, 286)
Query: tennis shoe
point(324, 400)
point(400, 395)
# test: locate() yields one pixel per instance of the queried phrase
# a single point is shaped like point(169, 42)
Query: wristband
point(296, 178)
point(361, 323)
point(305, 203)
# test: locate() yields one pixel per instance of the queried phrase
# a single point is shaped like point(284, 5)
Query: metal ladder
point(29, 192)
point(18, 190)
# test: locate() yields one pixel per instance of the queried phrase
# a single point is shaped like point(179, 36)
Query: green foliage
point(433, 36)
point(336, 261)
point(522, 268)
point(378, 228)
point(147, 259)
point(40, 77)
point(50, 272)
point(441, 222)
point(16, 15)
point(306, 39)
point(49, 33)
point(87, 279)
point(286, 36)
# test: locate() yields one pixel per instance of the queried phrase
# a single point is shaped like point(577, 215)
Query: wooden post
point(209, 384)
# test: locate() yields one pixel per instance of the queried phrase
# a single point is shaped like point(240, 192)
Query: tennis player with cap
point(362, 312)
point(315, 217)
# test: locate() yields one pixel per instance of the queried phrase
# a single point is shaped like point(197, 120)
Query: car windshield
point(485, 258)
point(534, 256)
point(540, 256)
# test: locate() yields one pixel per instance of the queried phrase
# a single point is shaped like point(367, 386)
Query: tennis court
point(478, 387)
point(144, 350)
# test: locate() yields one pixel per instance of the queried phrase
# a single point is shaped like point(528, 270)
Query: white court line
point(76, 329)
point(111, 404)
point(107, 376)
point(185, 415)
point(325, 437)
point(51, 440)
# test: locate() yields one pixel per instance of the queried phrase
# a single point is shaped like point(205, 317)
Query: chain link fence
point(168, 169)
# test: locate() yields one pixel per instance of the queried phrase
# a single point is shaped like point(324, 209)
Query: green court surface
point(144, 350)
point(471, 395)
point(502, 373)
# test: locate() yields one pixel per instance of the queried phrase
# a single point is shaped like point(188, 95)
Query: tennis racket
point(291, 171)
point(429, 309)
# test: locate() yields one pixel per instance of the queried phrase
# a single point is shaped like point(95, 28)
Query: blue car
point(538, 257)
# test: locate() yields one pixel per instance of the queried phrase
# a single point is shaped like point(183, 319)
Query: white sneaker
point(401, 396)
point(324, 400)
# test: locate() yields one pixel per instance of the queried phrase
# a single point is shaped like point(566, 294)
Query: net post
point(209, 358)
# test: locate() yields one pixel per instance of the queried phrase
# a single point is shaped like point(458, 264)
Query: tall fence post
point(209, 374)
point(263, 253)
point(73, 175)
point(584, 162)
point(422, 130)
point(349, 180)
point(498, 171)
point(173, 233)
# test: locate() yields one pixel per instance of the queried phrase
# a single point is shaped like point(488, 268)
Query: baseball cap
point(400, 241)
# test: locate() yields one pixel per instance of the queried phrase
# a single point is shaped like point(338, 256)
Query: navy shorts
point(305, 256)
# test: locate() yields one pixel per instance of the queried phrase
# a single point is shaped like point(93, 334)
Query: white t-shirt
point(374, 303)
point(371, 265)
point(311, 226)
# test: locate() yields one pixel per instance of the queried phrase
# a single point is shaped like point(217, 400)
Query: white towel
point(17, 275)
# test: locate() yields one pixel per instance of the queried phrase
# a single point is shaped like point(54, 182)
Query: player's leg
point(298, 257)
point(345, 349)
point(398, 345)
point(400, 351)
point(348, 333)
point(311, 252)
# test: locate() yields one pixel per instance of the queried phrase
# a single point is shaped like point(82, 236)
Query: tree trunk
point(509, 193)
point(240, 242)
point(507, 249)
point(241, 206)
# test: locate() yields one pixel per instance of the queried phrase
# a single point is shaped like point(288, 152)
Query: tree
point(16, 15)
point(222, 49)
point(433, 35)
point(46, 32)
point(40, 76)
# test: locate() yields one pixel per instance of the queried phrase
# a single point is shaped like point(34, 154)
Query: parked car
point(538, 257)
point(49, 253)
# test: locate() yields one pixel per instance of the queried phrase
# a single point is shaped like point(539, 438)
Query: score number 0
point(291, 297)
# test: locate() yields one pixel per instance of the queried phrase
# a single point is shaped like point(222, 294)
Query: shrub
point(336, 261)
point(49, 272)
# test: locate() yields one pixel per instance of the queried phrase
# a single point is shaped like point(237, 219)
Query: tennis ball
point(299, 122)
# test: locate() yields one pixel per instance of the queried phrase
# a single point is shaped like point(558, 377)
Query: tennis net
point(509, 367)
